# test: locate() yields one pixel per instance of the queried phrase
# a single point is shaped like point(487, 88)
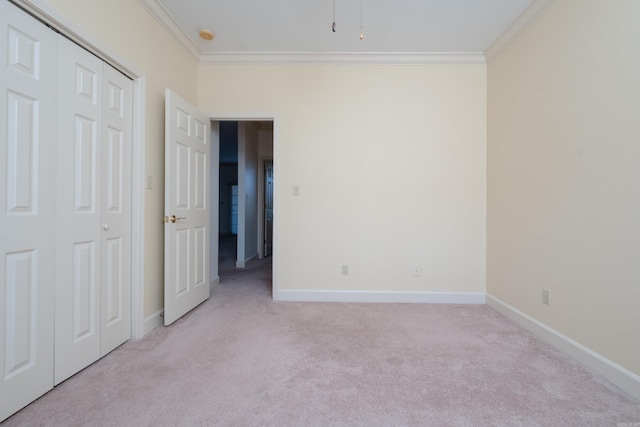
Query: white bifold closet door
point(65, 208)
point(27, 206)
point(93, 306)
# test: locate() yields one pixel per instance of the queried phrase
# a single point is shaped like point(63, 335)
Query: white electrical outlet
point(545, 296)
point(345, 270)
point(416, 271)
point(149, 183)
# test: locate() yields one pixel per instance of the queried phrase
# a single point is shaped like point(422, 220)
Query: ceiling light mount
point(206, 35)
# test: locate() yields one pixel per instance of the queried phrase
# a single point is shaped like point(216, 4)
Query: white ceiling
point(401, 28)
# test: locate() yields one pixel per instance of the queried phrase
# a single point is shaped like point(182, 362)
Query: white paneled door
point(27, 199)
point(186, 235)
point(94, 209)
point(115, 240)
point(78, 211)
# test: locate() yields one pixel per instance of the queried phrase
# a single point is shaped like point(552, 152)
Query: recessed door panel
point(200, 131)
point(183, 119)
point(21, 157)
point(199, 254)
point(84, 290)
point(113, 174)
point(182, 167)
point(200, 186)
point(21, 312)
point(116, 98)
point(182, 261)
point(23, 52)
point(87, 81)
point(84, 182)
point(114, 281)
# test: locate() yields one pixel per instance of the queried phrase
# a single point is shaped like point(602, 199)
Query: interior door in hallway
point(27, 198)
point(268, 208)
point(186, 251)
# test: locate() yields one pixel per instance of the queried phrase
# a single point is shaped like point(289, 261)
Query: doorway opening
point(245, 205)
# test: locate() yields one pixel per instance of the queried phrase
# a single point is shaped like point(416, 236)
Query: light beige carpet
point(242, 360)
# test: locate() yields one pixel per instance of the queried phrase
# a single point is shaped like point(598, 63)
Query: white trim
point(621, 377)
point(360, 58)
point(526, 18)
point(243, 117)
point(252, 257)
point(165, 19)
point(273, 117)
point(275, 252)
point(381, 297)
point(43, 11)
point(138, 208)
point(243, 263)
point(153, 321)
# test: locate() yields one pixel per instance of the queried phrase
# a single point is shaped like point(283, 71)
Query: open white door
point(186, 232)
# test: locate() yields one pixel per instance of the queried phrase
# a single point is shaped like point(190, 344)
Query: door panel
point(84, 287)
point(27, 197)
point(187, 150)
point(116, 210)
point(77, 315)
point(20, 323)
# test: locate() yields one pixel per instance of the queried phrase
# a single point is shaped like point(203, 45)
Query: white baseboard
point(153, 321)
point(621, 377)
point(214, 283)
point(382, 297)
point(243, 263)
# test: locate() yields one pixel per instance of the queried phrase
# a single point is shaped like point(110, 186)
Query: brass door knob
point(172, 218)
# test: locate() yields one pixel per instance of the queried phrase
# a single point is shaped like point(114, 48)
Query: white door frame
point(259, 117)
point(52, 17)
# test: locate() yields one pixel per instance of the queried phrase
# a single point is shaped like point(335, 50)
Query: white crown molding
point(165, 19)
point(160, 13)
point(526, 18)
point(357, 58)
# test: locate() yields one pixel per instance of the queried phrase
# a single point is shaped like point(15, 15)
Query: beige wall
point(564, 174)
point(391, 164)
point(125, 27)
